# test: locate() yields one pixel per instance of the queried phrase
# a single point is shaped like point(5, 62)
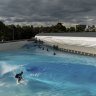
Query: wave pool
point(46, 74)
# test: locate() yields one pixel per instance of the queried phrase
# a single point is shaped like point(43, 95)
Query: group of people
point(48, 50)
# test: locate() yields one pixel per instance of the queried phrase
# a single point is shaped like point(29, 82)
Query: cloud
point(68, 11)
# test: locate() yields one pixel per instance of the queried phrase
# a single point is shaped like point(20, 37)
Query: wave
point(6, 68)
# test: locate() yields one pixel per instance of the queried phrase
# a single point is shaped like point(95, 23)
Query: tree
point(80, 28)
point(60, 28)
point(72, 29)
point(2, 30)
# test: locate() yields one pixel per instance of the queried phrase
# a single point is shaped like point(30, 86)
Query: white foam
point(81, 41)
point(2, 84)
point(5, 68)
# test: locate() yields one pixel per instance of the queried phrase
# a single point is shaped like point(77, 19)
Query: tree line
point(17, 32)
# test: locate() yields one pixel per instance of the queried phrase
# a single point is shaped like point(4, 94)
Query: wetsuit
point(19, 76)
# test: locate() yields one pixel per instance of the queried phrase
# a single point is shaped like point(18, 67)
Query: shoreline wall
point(84, 46)
point(70, 34)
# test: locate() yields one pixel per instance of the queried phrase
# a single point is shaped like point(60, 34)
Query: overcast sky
point(48, 11)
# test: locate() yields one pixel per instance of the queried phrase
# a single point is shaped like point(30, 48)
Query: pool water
point(45, 74)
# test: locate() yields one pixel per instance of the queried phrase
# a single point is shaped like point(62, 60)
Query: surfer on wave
point(19, 76)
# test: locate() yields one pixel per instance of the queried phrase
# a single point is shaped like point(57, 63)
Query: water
point(45, 74)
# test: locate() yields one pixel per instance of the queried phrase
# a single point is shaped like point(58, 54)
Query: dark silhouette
point(43, 48)
point(19, 76)
point(47, 49)
point(54, 53)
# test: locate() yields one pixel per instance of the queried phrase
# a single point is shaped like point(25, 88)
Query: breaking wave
point(6, 68)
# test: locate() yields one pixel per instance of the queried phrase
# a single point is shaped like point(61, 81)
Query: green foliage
point(72, 29)
point(16, 32)
point(80, 28)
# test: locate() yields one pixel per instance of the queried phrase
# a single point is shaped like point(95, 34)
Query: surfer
point(47, 49)
point(54, 53)
point(19, 76)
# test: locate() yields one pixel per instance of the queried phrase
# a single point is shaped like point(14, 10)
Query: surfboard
point(21, 82)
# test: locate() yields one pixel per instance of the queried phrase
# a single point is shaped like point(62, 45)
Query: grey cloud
point(72, 11)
